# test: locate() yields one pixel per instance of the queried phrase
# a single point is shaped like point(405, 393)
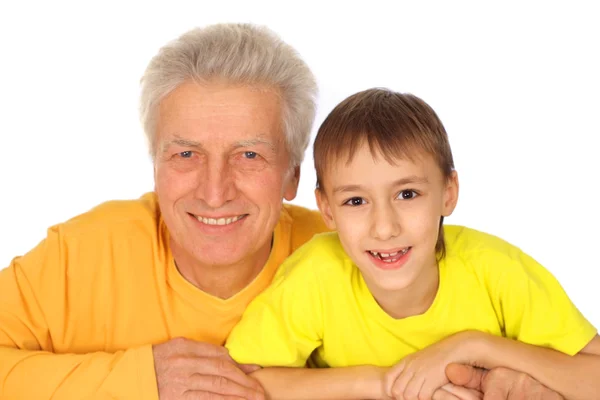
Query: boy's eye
point(355, 201)
point(250, 154)
point(407, 194)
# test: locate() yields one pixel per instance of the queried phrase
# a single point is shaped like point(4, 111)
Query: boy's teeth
point(386, 255)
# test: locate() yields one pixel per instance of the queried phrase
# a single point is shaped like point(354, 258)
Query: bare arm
point(362, 382)
point(575, 377)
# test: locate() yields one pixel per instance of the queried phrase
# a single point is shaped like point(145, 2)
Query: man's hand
point(500, 383)
point(186, 369)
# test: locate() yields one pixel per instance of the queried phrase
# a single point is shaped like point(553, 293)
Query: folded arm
point(575, 377)
point(31, 299)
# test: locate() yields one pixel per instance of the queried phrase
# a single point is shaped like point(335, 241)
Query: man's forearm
point(574, 377)
point(26, 374)
point(362, 382)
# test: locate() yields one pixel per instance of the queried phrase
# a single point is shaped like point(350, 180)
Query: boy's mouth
point(389, 257)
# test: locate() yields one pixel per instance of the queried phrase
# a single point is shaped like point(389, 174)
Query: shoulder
point(468, 241)
point(320, 259)
point(304, 223)
point(114, 216)
point(487, 254)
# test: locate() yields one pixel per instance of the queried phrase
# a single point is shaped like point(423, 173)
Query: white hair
point(240, 54)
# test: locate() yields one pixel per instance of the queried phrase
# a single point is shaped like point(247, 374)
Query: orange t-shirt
point(101, 289)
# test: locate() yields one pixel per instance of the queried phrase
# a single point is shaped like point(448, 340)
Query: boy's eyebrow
point(402, 181)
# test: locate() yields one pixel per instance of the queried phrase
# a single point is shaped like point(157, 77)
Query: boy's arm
point(348, 383)
point(574, 377)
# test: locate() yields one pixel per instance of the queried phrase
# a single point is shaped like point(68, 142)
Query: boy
point(394, 287)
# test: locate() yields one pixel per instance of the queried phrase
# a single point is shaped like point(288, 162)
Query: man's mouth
point(389, 257)
point(219, 221)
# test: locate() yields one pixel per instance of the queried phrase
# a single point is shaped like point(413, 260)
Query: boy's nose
point(385, 223)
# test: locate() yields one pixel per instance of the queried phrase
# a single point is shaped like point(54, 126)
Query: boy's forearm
point(574, 377)
point(362, 382)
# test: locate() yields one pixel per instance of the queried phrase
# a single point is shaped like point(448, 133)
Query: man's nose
point(216, 184)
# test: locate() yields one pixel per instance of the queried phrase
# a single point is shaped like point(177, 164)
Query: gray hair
point(236, 53)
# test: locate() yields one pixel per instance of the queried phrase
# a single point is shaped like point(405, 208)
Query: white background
point(517, 87)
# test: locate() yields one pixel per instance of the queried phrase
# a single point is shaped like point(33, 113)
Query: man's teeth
point(381, 256)
point(219, 221)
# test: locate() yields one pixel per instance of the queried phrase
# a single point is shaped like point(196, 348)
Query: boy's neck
point(412, 300)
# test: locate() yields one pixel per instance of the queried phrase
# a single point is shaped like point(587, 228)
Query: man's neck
point(222, 281)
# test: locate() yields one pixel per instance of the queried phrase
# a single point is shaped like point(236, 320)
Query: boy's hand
point(420, 374)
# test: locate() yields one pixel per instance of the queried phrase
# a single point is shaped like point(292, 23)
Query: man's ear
point(291, 185)
point(325, 208)
point(450, 195)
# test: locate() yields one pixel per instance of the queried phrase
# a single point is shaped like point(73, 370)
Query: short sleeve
point(283, 325)
point(537, 310)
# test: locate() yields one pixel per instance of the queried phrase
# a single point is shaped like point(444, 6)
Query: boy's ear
point(325, 209)
point(450, 194)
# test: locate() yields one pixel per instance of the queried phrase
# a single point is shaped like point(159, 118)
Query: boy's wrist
point(476, 348)
point(370, 383)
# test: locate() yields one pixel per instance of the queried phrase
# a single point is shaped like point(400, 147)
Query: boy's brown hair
point(394, 125)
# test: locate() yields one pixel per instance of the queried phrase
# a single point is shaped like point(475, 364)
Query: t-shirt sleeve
point(536, 308)
point(283, 325)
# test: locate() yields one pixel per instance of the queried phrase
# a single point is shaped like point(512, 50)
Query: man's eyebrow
point(254, 142)
point(402, 181)
point(181, 142)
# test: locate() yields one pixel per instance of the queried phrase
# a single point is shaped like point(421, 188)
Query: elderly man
point(134, 299)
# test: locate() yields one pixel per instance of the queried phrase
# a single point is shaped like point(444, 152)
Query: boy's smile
point(388, 218)
point(390, 259)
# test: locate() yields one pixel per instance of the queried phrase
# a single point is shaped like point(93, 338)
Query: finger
point(200, 349)
point(413, 388)
point(442, 394)
point(462, 393)
point(390, 378)
point(197, 395)
point(249, 368)
point(219, 385)
point(221, 368)
point(399, 386)
point(466, 375)
point(495, 394)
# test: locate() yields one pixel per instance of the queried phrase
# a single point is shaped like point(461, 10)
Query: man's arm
point(26, 374)
point(499, 383)
point(29, 369)
point(32, 293)
point(574, 377)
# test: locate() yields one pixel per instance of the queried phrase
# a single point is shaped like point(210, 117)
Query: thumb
point(466, 375)
point(249, 368)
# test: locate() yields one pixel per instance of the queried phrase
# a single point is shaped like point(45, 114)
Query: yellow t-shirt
point(100, 289)
point(319, 301)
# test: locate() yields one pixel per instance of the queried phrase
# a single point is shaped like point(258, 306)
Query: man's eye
point(185, 154)
point(355, 201)
point(407, 195)
point(250, 154)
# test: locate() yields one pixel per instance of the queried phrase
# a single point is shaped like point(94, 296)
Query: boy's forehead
point(366, 166)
